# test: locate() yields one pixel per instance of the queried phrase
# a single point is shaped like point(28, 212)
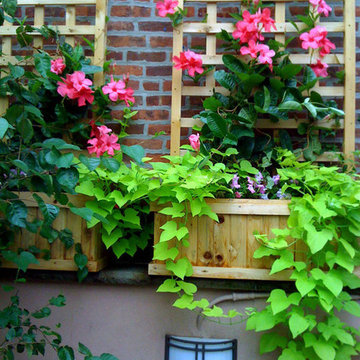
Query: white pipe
point(234, 297)
point(240, 297)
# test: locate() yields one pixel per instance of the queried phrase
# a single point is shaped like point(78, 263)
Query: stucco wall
point(131, 321)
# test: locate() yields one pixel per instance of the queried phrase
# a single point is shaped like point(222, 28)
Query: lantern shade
point(188, 348)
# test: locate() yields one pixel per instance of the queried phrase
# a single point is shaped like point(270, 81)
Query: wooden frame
point(225, 249)
point(70, 30)
point(60, 257)
point(212, 27)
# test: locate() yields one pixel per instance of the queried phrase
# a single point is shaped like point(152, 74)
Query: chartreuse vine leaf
point(271, 341)
point(297, 324)
point(353, 308)
point(324, 350)
point(290, 354)
point(285, 261)
point(162, 252)
point(180, 268)
point(176, 210)
point(169, 231)
point(280, 302)
point(111, 238)
point(333, 282)
point(316, 240)
point(169, 285)
point(215, 311)
point(184, 301)
point(187, 287)
point(261, 321)
point(303, 283)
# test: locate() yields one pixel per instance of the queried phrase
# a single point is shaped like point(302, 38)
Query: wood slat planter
point(62, 258)
point(225, 249)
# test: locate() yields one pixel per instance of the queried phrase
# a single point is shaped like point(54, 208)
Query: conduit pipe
point(240, 297)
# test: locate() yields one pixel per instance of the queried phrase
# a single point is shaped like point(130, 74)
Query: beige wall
point(131, 322)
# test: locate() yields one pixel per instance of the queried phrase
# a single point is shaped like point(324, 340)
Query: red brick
point(83, 11)
point(158, 71)
point(167, 86)
point(126, 41)
point(131, 69)
point(153, 115)
point(152, 101)
point(151, 86)
point(297, 10)
point(130, 11)
point(153, 129)
point(120, 26)
point(153, 144)
point(190, 11)
point(155, 26)
point(161, 41)
point(114, 55)
point(143, 56)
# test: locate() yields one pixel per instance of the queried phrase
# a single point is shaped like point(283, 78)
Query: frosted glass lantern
point(187, 348)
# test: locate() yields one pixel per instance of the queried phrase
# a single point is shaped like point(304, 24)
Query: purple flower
point(261, 188)
point(276, 179)
point(250, 185)
point(264, 196)
point(259, 178)
point(235, 184)
point(282, 195)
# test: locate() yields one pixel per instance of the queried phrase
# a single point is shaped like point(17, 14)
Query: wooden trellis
point(284, 27)
point(70, 30)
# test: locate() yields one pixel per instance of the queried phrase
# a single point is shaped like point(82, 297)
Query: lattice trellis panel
point(71, 30)
point(211, 27)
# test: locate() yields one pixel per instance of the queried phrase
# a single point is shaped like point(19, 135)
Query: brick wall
point(141, 43)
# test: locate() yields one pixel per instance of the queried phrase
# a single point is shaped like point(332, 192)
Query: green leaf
point(290, 105)
point(278, 300)
point(106, 356)
point(22, 261)
point(110, 164)
point(84, 350)
point(10, 6)
point(180, 268)
point(16, 213)
point(162, 252)
point(290, 70)
point(211, 103)
point(270, 341)
point(188, 288)
point(85, 213)
point(217, 124)
point(90, 162)
point(4, 125)
point(81, 260)
point(135, 152)
point(333, 282)
point(176, 210)
point(68, 178)
point(170, 229)
point(49, 211)
point(42, 63)
point(225, 79)
point(183, 302)
point(316, 240)
point(169, 285)
point(297, 324)
point(25, 128)
point(112, 238)
point(234, 64)
point(58, 301)
point(247, 167)
point(42, 313)
point(324, 350)
point(285, 261)
point(353, 308)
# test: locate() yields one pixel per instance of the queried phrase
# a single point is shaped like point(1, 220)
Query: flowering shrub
point(266, 85)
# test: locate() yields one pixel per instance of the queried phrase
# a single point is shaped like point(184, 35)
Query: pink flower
point(248, 30)
point(195, 141)
point(103, 142)
point(76, 86)
point(235, 182)
point(166, 7)
point(189, 61)
point(237, 195)
point(316, 38)
point(117, 91)
point(250, 185)
point(266, 20)
point(322, 6)
point(320, 68)
point(265, 56)
point(57, 66)
point(256, 2)
point(252, 50)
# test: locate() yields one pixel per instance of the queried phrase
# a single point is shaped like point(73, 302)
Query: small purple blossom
point(259, 177)
point(235, 183)
point(281, 195)
point(250, 185)
point(294, 181)
point(264, 196)
point(276, 179)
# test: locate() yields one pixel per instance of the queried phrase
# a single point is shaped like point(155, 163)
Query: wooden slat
point(39, 13)
point(238, 239)
point(332, 91)
point(55, 2)
point(191, 251)
point(350, 77)
point(221, 241)
point(176, 89)
point(214, 28)
point(237, 1)
point(205, 248)
point(6, 49)
point(337, 59)
point(27, 198)
point(4, 60)
point(224, 273)
point(70, 30)
point(100, 36)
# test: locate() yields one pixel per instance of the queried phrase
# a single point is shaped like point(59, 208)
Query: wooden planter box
point(225, 249)
point(62, 258)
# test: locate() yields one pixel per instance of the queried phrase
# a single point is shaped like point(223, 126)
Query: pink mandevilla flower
point(321, 6)
point(166, 7)
point(57, 66)
point(320, 68)
point(316, 39)
point(237, 195)
point(195, 141)
point(265, 56)
point(117, 91)
point(103, 142)
point(76, 86)
point(266, 20)
point(235, 182)
point(190, 61)
point(251, 50)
